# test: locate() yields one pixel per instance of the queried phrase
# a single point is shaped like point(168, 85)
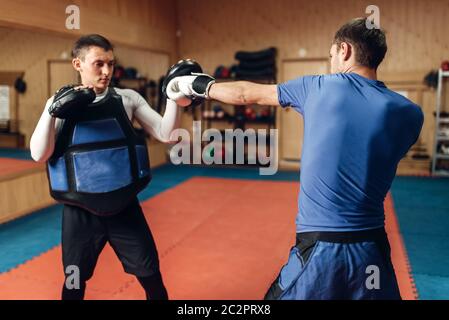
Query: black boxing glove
point(69, 101)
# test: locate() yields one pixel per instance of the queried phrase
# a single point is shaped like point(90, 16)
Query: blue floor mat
point(422, 209)
point(432, 287)
point(22, 154)
point(27, 237)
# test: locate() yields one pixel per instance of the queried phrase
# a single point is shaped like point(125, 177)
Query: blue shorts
point(337, 266)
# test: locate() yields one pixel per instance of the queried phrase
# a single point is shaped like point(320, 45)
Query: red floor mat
point(11, 166)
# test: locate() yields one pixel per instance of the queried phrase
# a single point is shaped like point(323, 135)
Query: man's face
point(96, 68)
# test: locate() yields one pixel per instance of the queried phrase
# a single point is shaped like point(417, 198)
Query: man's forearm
point(43, 139)
point(231, 92)
point(170, 121)
point(244, 93)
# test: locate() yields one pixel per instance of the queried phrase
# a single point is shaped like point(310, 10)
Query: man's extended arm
point(237, 92)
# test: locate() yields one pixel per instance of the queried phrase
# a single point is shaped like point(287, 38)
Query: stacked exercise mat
point(256, 65)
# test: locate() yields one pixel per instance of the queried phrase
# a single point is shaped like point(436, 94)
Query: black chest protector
point(100, 163)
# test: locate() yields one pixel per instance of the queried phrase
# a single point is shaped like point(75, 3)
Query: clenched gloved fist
point(186, 84)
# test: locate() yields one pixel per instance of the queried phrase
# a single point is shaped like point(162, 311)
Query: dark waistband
point(378, 234)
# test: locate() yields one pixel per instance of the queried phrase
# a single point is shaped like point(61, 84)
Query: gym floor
point(216, 243)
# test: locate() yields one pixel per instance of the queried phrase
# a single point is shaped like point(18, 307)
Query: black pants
point(84, 236)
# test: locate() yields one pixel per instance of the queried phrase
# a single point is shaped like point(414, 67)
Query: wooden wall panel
point(145, 24)
point(212, 31)
point(150, 64)
point(33, 194)
point(60, 73)
point(29, 52)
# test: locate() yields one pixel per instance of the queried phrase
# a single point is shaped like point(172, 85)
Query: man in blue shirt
point(356, 131)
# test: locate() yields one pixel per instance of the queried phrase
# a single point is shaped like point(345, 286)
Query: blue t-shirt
point(356, 131)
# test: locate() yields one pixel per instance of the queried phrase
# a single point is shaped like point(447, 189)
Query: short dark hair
point(370, 44)
point(90, 40)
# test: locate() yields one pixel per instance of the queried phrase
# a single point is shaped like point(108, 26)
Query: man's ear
point(346, 49)
point(76, 62)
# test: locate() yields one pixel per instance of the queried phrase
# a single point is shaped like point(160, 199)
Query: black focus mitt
point(69, 101)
